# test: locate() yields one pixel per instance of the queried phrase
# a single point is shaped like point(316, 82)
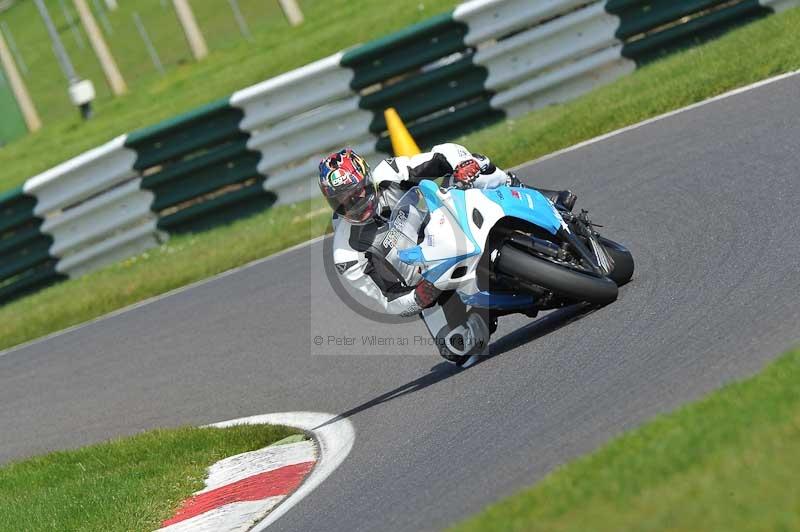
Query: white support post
point(186, 17)
point(110, 69)
point(292, 11)
point(18, 88)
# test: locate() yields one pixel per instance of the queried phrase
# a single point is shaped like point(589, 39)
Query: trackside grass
point(182, 260)
point(127, 484)
point(749, 54)
point(233, 64)
point(759, 50)
point(728, 463)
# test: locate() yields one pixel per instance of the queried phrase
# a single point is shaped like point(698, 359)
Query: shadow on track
point(438, 373)
point(444, 370)
point(536, 329)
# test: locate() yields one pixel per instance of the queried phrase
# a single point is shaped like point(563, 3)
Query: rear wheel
point(551, 276)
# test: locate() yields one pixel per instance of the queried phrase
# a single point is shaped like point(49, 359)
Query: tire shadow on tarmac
point(550, 322)
point(538, 328)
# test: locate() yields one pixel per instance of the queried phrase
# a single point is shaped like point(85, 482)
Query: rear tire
point(559, 279)
point(623, 261)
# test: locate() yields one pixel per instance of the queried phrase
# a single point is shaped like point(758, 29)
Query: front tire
point(559, 279)
point(623, 261)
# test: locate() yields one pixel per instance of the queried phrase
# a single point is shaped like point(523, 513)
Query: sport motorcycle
point(507, 249)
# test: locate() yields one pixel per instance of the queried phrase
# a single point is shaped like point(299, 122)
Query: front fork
point(595, 255)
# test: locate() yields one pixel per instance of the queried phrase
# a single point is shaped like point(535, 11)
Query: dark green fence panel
point(32, 280)
point(16, 208)
point(196, 165)
point(184, 135)
point(450, 124)
point(227, 165)
point(20, 259)
point(25, 261)
point(427, 73)
point(637, 16)
point(20, 237)
point(233, 205)
point(429, 92)
point(650, 29)
point(405, 50)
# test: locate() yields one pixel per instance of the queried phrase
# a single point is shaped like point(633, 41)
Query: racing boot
point(463, 344)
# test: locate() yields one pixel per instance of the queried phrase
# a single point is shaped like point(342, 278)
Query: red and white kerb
point(241, 490)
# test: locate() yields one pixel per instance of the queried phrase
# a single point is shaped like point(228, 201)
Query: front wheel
point(623, 261)
point(558, 279)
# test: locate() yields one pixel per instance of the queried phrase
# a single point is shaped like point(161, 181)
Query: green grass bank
point(179, 262)
point(126, 484)
point(762, 49)
point(233, 64)
point(727, 463)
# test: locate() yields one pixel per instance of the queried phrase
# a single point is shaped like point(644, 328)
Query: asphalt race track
point(707, 200)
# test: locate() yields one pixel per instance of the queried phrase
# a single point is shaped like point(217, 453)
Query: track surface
point(707, 201)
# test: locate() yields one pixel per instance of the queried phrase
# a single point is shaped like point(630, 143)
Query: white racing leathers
point(362, 253)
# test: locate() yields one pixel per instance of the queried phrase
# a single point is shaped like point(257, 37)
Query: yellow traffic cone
point(402, 141)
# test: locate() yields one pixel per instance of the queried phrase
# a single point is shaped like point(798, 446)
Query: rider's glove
point(466, 172)
point(425, 294)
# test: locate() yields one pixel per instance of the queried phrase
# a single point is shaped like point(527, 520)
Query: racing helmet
point(346, 182)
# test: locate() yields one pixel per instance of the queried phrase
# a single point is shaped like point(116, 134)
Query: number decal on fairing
point(391, 239)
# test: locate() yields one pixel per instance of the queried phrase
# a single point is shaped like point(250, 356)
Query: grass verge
point(181, 261)
point(746, 55)
point(232, 64)
point(728, 462)
point(127, 484)
point(757, 51)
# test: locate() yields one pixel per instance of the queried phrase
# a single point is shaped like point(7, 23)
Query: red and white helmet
point(346, 182)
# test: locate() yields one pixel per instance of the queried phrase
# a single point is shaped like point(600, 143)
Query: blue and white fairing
point(456, 226)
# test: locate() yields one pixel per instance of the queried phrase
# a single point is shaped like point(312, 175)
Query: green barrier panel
point(22, 244)
point(449, 125)
point(427, 93)
point(405, 50)
point(185, 134)
point(642, 16)
point(18, 260)
point(23, 235)
point(230, 164)
point(446, 100)
point(16, 208)
point(25, 261)
point(30, 281)
point(12, 124)
point(242, 202)
point(694, 32)
point(198, 155)
point(664, 31)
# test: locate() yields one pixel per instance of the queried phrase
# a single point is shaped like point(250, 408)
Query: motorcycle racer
point(362, 201)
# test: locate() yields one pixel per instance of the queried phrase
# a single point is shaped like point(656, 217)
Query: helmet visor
point(356, 206)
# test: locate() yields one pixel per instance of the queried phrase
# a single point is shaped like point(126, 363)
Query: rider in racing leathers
point(362, 200)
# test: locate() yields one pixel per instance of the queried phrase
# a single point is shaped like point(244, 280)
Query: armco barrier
point(486, 60)
point(648, 31)
point(555, 61)
point(94, 209)
point(199, 169)
point(25, 262)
